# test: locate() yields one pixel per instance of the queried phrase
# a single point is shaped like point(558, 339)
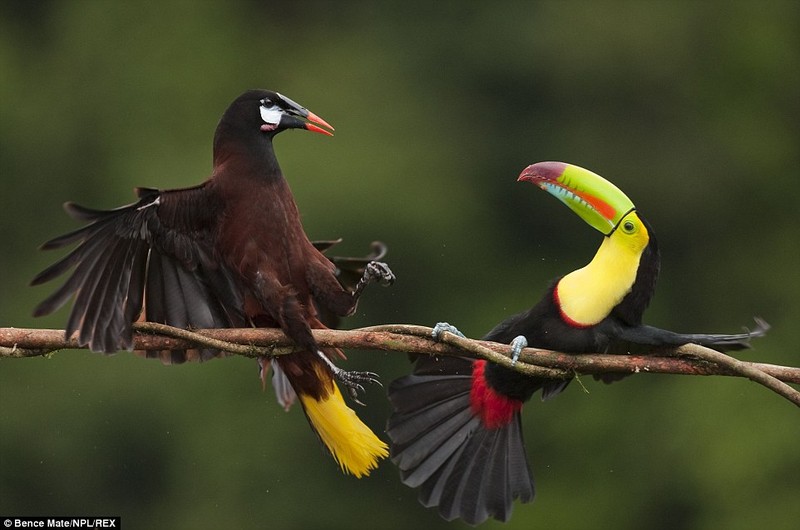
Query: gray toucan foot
point(441, 327)
point(517, 346)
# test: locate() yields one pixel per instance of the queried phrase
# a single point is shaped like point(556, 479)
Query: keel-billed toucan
point(229, 252)
point(456, 430)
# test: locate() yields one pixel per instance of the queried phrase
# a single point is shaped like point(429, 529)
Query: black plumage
point(456, 430)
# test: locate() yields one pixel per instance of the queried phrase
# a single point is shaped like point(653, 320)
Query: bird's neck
point(254, 159)
point(588, 295)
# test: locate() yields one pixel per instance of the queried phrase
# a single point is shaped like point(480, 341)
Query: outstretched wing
point(158, 253)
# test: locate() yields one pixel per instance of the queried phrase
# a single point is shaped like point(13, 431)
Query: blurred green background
point(692, 108)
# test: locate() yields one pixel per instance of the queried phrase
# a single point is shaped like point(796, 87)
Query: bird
point(455, 428)
point(228, 252)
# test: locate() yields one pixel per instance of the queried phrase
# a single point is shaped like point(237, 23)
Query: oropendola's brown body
point(229, 252)
point(456, 430)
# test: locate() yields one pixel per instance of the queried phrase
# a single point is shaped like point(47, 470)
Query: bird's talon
point(517, 345)
point(353, 381)
point(350, 379)
point(442, 327)
point(380, 272)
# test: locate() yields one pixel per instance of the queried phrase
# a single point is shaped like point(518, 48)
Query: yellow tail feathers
point(353, 445)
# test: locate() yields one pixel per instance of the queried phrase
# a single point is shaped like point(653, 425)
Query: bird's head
point(597, 201)
point(623, 273)
point(254, 118)
point(277, 113)
point(260, 112)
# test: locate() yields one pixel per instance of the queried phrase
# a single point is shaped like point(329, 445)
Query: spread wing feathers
point(651, 336)
point(439, 445)
point(156, 252)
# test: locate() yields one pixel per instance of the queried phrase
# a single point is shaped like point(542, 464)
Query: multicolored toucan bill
point(456, 431)
point(229, 252)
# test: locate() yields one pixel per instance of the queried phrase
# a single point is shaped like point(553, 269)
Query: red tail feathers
point(458, 440)
point(495, 410)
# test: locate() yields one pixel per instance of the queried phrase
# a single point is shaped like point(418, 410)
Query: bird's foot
point(442, 327)
point(351, 380)
point(375, 271)
point(378, 271)
point(517, 345)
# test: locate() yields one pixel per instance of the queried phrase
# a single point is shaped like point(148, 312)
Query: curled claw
point(517, 345)
point(374, 271)
point(442, 327)
point(351, 379)
point(379, 272)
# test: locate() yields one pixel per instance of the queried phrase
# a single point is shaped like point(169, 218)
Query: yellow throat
point(589, 294)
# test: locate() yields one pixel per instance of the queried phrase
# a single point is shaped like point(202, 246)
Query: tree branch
point(689, 359)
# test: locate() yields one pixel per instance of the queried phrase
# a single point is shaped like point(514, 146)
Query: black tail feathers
point(468, 470)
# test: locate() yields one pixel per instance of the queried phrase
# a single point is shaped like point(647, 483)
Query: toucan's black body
point(456, 427)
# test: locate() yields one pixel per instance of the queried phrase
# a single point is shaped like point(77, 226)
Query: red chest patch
point(494, 410)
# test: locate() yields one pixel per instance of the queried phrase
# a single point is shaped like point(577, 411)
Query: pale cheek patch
point(270, 116)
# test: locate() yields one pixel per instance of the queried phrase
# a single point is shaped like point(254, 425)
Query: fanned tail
point(444, 446)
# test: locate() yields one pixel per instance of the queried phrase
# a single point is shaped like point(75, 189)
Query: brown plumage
point(229, 252)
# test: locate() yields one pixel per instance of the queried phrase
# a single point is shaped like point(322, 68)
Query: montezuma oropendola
point(230, 252)
point(456, 429)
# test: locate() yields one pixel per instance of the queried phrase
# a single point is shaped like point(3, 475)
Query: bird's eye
point(628, 227)
point(266, 102)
